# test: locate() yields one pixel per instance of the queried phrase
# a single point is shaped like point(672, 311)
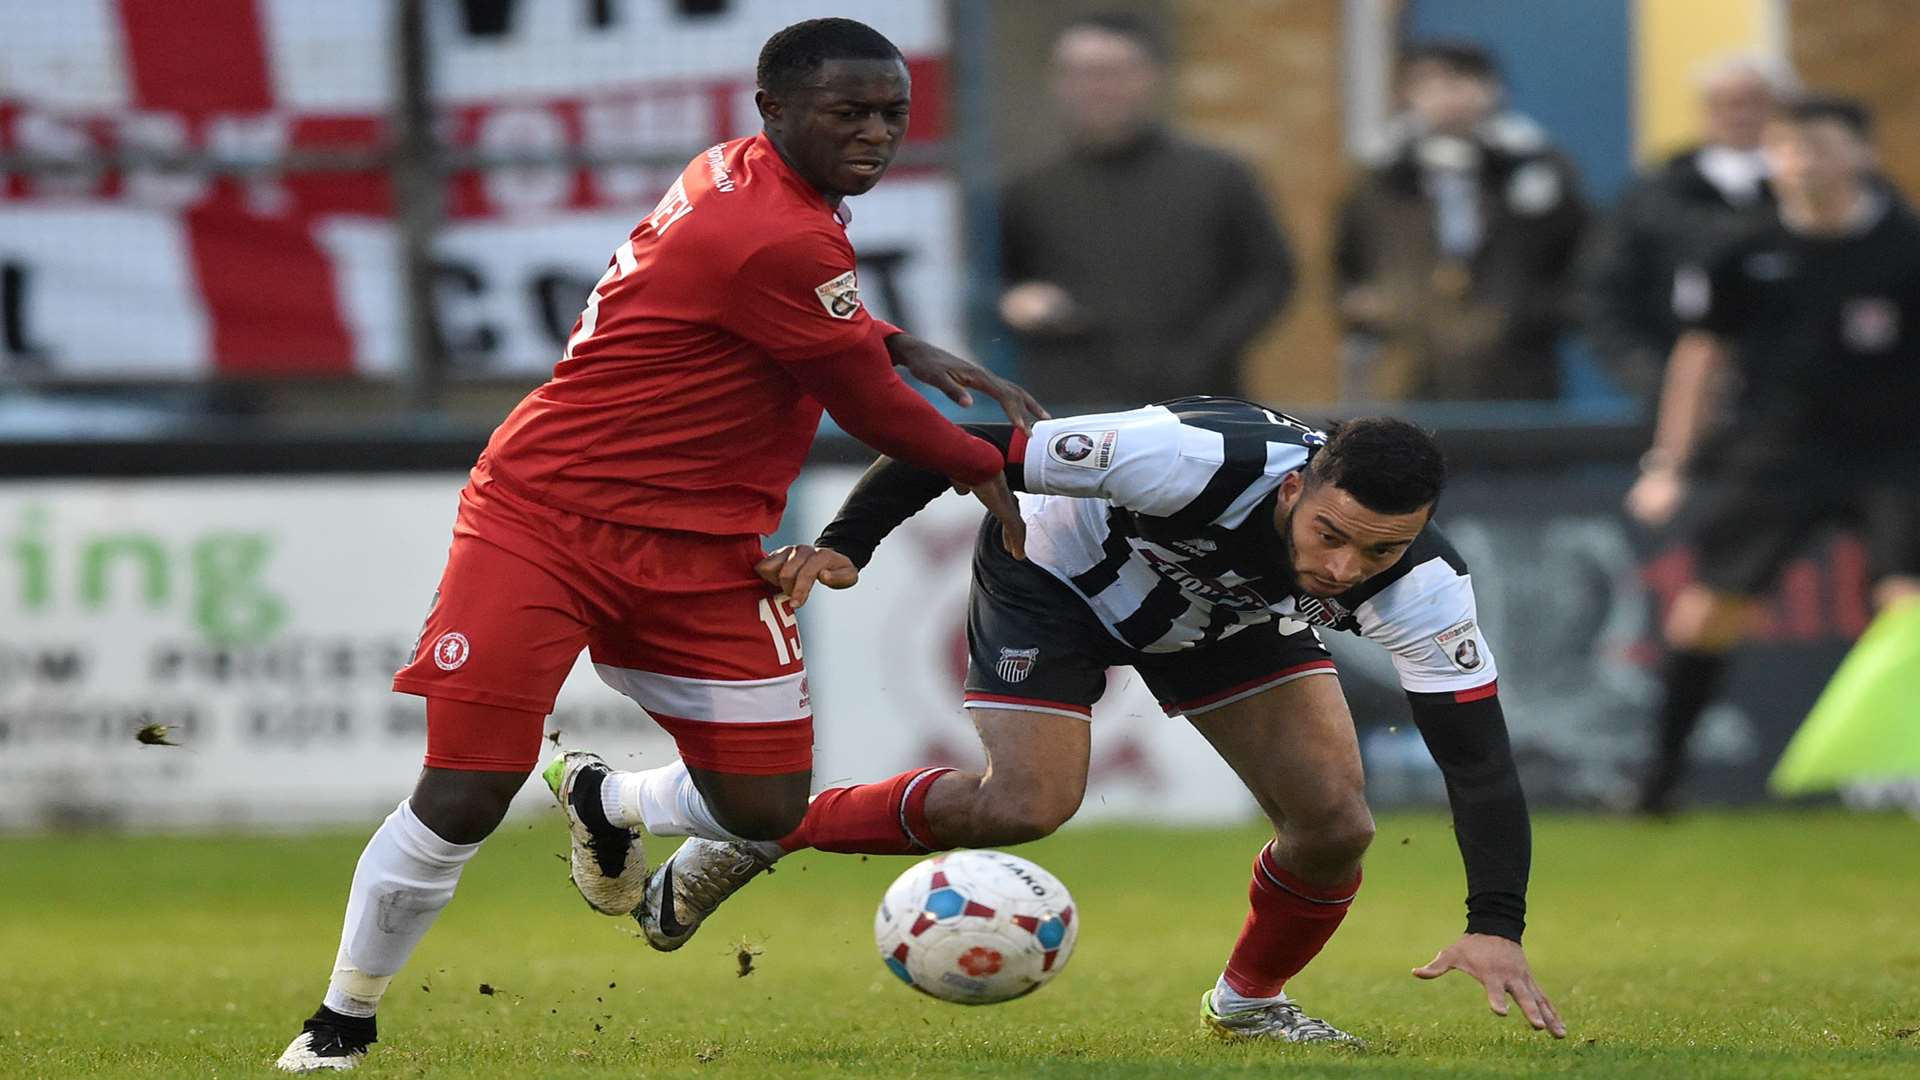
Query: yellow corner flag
point(1866, 724)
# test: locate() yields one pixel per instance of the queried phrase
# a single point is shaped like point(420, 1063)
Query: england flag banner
point(285, 269)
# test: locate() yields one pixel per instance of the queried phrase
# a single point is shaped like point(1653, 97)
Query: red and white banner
point(159, 272)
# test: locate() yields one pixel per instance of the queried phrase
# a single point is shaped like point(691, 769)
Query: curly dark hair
point(1390, 466)
point(791, 55)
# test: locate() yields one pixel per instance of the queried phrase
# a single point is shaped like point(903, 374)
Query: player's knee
point(1702, 620)
point(1336, 839)
point(1017, 819)
point(761, 821)
point(462, 806)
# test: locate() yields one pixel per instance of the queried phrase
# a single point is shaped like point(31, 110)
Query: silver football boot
point(1281, 1020)
point(693, 883)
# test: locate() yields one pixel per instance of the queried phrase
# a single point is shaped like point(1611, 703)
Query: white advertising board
point(262, 620)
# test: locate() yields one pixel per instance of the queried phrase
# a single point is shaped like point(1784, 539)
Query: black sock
point(1692, 679)
point(360, 1029)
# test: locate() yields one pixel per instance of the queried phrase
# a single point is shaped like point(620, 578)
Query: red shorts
point(677, 621)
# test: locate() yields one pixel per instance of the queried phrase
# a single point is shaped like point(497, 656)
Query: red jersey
point(672, 406)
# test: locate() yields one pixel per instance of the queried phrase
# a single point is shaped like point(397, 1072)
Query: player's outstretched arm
point(957, 377)
point(1501, 967)
point(891, 491)
point(1466, 732)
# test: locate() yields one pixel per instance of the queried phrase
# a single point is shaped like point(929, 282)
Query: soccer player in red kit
point(621, 508)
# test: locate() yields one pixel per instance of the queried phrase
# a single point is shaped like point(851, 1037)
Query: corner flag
point(1866, 724)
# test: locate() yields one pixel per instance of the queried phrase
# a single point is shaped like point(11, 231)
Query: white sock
point(1226, 999)
point(663, 801)
point(404, 878)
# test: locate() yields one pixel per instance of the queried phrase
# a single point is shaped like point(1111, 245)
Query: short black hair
point(1389, 466)
point(1846, 111)
point(1469, 58)
point(793, 54)
point(1121, 24)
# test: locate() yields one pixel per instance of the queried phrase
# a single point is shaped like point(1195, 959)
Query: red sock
point(1288, 926)
point(887, 818)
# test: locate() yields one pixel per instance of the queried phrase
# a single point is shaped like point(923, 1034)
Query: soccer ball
point(976, 927)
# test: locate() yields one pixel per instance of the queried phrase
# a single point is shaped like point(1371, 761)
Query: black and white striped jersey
point(1162, 519)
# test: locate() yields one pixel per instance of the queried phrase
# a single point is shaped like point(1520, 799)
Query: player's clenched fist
point(794, 569)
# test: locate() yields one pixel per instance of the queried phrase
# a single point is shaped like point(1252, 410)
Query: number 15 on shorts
point(779, 619)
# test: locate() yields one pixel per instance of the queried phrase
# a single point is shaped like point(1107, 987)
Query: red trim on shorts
point(755, 749)
point(430, 689)
point(1178, 707)
point(1017, 448)
point(1478, 693)
point(1007, 699)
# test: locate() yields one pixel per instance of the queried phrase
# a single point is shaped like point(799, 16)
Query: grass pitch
point(1722, 946)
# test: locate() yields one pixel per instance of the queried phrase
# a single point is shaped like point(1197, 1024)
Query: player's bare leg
point(404, 879)
point(1035, 777)
point(1294, 747)
point(1702, 627)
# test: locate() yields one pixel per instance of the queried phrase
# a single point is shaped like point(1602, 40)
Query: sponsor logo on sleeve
point(1015, 665)
point(1462, 645)
point(840, 296)
point(1870, 324)
point(1084, 449)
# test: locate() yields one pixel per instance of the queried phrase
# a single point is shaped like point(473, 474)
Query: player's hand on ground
point(998, 498)
point(957, 377)
point(1501, 967)
point(795, 569)
point(1656, 496)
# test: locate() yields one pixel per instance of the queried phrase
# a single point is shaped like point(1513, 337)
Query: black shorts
point(1035, 646)
point(1762, 509)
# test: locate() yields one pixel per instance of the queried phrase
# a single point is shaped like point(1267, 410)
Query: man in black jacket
point(1138, 264)
point(1679, 213)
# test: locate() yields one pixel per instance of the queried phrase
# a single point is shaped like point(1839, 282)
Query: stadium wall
point(259, 618)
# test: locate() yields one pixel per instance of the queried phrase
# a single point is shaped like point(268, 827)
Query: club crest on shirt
point(840, 296)
point(1870, 324)
point(1462, 645)
point(450, 651)
point(1015, 665)
point(1322, 611)
point(1084, 449)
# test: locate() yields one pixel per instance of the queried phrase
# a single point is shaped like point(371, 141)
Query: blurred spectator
point(1455, 248)
point(1139, 263)
point(1678, 213)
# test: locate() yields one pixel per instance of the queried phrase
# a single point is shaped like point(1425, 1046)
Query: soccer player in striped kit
point(1205, 542)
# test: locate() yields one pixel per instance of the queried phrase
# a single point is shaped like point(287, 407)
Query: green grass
point(1723, 946)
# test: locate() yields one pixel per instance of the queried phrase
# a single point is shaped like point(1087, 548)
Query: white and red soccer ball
point(976, 927)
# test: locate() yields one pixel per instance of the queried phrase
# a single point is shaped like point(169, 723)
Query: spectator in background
point(1679, 213)
point(1139, 264)
point(1454, 250)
